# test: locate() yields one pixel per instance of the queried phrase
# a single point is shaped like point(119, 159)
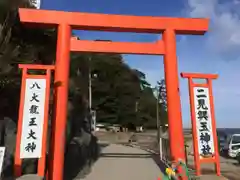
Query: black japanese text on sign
point(33, 118)
point(31, 146)
point(203, 119)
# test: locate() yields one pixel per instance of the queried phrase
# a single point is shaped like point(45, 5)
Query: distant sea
point(227, 131)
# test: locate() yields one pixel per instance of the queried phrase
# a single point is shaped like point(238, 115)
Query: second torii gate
point(66, 21)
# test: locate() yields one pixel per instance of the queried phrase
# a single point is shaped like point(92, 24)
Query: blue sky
point(216, 52)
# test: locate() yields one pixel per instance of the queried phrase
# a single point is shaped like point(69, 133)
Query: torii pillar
point(65, 21)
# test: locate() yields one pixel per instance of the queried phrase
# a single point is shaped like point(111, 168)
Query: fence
point(164, 150)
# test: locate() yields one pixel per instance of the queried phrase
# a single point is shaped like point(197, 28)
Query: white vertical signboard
point(36, 3)
point(2, 154)
point(203, 121)
point(33, 118)
point(93, 118)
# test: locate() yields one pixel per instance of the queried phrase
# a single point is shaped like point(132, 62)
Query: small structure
point(101, 127)
point(116, 128)
point(139, 128)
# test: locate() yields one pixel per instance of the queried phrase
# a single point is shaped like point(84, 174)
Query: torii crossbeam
point(66, 21)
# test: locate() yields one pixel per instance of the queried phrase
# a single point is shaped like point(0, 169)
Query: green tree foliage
point(120, 95)
point(19, 44)
point(142, 79)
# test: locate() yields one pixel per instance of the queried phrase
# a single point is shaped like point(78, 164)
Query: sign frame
point(25, 76)
point(208, 84)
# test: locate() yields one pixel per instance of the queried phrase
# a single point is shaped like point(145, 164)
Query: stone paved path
point(119, 162)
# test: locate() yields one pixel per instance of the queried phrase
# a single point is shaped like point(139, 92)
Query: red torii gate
point(66, 21)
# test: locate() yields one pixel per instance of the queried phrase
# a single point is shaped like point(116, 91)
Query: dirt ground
point(229, 167)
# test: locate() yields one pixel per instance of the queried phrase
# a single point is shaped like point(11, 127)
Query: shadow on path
point(155, 157)
point(126, 155)
point(120, 162)
point(80, 157)
point(162, 166)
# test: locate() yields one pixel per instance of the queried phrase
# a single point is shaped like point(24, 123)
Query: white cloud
point(236, 2)
point(224, 33)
